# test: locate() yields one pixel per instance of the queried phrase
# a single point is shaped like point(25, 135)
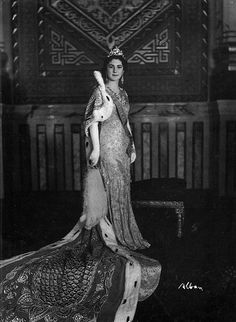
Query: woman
point(113, 150)
point(93, 274)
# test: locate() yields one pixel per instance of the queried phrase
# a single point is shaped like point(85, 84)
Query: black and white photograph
point(118, 161)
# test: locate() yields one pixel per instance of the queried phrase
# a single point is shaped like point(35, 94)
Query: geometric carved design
point(64, 53)
point(109, 13)
point(165, 41)
point(102, 21)
point(155, 51)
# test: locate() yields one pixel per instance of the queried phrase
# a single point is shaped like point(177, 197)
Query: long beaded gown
point(93, 273)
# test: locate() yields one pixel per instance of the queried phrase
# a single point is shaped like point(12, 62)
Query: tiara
point(116, 52)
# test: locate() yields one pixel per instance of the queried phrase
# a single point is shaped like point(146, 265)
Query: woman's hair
point(107, 60)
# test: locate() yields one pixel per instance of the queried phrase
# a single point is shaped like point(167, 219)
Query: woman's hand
point(94, 157)
point(133, 157)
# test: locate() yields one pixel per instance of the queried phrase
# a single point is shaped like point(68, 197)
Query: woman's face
point(115, 70)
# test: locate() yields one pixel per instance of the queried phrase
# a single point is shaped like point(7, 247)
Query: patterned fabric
point(68, 284)
point(124, 120)
point(90, 275)
point(95, 103)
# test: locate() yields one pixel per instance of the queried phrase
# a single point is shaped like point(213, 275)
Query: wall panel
point(180, 168)
point(76, 156)
point(163, 141)
point(24, 157)
point(146, 151)
point(230, 173)
point(59, 151)
point(223, 114)
point(42, 157)
point(56, 45)
point(43, 145)
point(1, 156)
point(197, 155)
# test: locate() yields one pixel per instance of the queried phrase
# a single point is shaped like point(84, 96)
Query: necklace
point(114, 92)
point(117, 94)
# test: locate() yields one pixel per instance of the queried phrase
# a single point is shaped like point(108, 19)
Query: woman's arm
point(133, 151)
point(128, 126)
point(94, 134)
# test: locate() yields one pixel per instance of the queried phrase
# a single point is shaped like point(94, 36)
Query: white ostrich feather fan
point(105, 111)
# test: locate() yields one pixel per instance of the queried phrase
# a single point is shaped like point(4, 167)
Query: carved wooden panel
point(44, 149)
point(198, 154)
point(58, 43)
point(230, 175)
point(180, 135)
point(146, 150)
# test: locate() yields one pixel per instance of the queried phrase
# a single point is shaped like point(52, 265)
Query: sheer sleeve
point(95, 103)
point(127, 99)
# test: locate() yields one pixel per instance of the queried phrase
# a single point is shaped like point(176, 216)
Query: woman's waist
point(112, 129)
point(113, 120)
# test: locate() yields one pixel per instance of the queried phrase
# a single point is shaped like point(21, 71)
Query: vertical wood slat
point(180, 170)
point(222, 158)
point(83, 162)
point(8, 156)
point(16, 157)
point(76, 156)
point(25, 162)
point(42, 157)
point(138, 162)
point(197, 155)
point(34, 156)
point(163, 149)
point(206, 154)
point(230, 170)
point(146, 150)
point(189, 154)
point(213, 145)
point(51, 154)
point(68, 157)
point(132, 167)
point(1, 156)
point(172, 149)
point(59, 157)
point(155, 150)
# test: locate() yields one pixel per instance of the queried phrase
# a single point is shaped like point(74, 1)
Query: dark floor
point(204, 256)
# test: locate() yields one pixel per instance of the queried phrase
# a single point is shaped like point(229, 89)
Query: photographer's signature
point(189, 286)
